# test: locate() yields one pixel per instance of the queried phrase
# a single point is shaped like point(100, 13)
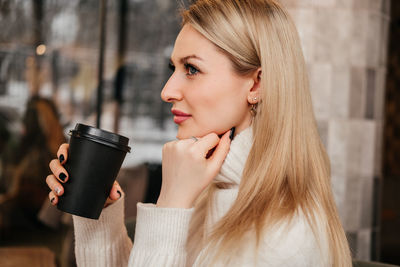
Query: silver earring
point(255, 98)
point(253, 109)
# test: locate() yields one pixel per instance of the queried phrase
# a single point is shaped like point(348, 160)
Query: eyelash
point(188, 68)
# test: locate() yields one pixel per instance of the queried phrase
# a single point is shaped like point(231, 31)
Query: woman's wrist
point(163, 202)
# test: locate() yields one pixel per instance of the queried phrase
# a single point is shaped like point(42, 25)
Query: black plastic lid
point(101, 136)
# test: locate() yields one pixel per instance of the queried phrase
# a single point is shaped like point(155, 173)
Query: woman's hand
point(60, 176)
point(186, 171)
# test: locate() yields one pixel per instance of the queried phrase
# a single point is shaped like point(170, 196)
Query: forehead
point(190, 41)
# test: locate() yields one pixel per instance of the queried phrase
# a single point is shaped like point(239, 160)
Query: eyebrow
point(184, 59)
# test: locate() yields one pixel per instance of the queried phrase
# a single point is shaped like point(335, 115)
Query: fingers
point(59, 174)
point(56, 189)
point(53, 198)
point(58, 170)
point(220, 152)
point(115, 194)
point(206, 143)
point(62, 153)
point(54, 185)
point(116, 191)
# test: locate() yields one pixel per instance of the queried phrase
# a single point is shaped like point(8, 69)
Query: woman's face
point(205, 92)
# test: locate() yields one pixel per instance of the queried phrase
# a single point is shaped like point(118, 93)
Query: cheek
point(205, 106)
point(218, 109)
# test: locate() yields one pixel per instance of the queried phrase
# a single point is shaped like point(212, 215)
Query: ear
point(253, 96)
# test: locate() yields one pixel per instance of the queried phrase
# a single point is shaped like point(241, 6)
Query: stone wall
point(345, 45)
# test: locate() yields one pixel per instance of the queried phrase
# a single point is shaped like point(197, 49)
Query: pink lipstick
point(180, 116)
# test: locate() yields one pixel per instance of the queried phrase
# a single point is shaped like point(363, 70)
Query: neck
point(245, 124)
point(232, 168)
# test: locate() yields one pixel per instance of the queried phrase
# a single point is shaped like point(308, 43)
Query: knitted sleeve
point(102, 242)
point(160, 236)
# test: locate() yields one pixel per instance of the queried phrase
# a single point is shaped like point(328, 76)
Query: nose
point(171, 91)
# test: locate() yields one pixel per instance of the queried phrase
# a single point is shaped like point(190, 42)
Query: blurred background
point(104, 63)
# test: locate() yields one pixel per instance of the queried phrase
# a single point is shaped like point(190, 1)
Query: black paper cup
point(94, 159)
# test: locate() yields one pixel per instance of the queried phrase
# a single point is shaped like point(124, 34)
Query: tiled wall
point(345, 45)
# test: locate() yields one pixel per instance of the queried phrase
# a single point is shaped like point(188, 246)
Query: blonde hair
point(287, 169)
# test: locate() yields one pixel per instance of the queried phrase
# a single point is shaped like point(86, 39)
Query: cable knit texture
point(161, 233)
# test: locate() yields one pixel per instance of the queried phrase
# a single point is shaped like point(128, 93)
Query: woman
point(41, 137)
point(263, 199)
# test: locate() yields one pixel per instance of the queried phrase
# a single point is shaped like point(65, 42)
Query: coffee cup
point(94, 159)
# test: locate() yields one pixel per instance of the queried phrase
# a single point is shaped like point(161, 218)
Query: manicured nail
point(62, 176)
point(232, 133)
point(119, 192)
point(57, 190)
point(51, 200)
point(61, 158)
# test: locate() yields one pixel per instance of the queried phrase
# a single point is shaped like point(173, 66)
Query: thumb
point(220, 152)
point(115, 194)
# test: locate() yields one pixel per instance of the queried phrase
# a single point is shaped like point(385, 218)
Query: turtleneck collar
point(232, 168)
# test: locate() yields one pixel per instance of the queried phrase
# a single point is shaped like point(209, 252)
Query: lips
point(180, 116)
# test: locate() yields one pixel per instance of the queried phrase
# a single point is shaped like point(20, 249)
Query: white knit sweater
point(161, 233)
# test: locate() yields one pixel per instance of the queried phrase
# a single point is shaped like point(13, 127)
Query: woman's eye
point(191, 70)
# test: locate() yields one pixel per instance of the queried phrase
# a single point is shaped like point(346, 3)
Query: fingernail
point(61, 158)
point(232, 133)
point(51, 200)
point(119, 192)
point(62, 176)
point(57, 190)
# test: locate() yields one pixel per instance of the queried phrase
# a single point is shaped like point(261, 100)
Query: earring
point(253, 109)
point(254, 99)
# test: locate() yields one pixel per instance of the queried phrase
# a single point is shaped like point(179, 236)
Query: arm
point(102, 242)
point(160, 236)
point(14, 188)
point(162, 229)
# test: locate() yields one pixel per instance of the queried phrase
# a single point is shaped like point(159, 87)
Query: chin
point(188, 133)
point(179, 137)
point(183, 135)
point(180, 134)
point(185, 132)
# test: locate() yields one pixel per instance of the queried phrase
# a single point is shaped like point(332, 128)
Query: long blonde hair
point(287, 169)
